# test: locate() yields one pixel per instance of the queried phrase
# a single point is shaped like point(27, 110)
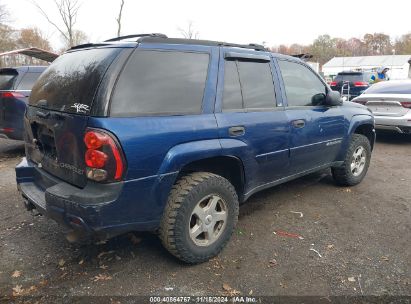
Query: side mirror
point(333, 98)
point(318, 99)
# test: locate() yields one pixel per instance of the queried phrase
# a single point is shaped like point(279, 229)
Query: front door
point(317, 130)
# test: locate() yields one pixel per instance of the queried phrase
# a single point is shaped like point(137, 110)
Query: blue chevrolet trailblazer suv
point(149, 133)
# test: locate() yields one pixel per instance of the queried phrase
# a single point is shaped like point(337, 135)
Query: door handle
point(236, 131)
point(299, 123)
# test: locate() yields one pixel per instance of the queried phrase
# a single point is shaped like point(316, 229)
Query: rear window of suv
point(353, 77)
point(161, 83)
point(71, 81)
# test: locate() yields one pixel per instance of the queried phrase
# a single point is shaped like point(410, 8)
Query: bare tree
point(189, 32)
point(68, 11)
point(118, 19)
point(4, 14)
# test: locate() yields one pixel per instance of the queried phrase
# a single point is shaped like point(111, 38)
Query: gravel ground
point(354, 241)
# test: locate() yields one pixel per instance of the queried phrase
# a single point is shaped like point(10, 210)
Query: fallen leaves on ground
point(18, 290)
point(385, 258)
point(62, 262)
point(101, 254)
point(231, 291)
point(16, 274)
point(331, 246)
point(101, 277)
point(272, 263)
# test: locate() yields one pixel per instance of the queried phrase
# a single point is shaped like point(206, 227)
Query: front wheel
point(200, 216)
point(356, 162)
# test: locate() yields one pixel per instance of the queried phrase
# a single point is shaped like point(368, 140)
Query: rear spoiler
point(35, 53)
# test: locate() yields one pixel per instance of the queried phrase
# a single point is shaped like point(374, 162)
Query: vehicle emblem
point(81, 108)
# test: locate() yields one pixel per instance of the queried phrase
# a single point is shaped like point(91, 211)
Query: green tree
point(378, 44)
point(323, 49)
point(403, 45)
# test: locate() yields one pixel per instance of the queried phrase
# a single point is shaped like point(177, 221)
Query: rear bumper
point(98, 211)
point(401, 124)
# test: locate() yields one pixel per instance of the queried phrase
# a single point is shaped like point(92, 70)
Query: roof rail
point(136, 36)
point(253, 46)
point(159, 39)
point(303, 56)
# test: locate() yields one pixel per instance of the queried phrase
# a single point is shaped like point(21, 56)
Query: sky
point(240, 21)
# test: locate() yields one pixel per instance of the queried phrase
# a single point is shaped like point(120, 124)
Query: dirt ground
point(354, 241)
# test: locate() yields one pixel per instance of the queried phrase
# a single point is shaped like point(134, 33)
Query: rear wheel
point(356, 162)
point(200, 216)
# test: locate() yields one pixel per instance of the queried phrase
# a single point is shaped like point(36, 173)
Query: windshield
point(71, 81)
point(7, 79)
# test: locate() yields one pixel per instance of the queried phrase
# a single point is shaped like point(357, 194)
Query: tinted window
point(390, 87)
point(28, 81)
point(232, 98)
point(301, 84)
point(256, 84)
point(353, 77)
point(159, 82)
point(70, 82)
point(7, 79)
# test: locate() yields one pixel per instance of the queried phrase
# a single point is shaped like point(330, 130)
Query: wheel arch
point(227, 166)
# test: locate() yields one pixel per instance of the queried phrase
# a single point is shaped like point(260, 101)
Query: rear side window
point(28, 81)
point(70, 82)
point(301, 84)
point(161, 82)
point(248, 85)
point(232, 99)
point(7, 79)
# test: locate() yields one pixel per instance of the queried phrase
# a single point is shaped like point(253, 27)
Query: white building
point(399, 65)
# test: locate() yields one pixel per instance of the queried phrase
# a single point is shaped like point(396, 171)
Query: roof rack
point(159, 39)
point(303, 56)
point(136, 36)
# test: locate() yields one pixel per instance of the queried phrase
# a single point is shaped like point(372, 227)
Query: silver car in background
point(390, 102)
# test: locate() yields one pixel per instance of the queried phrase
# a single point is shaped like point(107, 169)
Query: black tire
point(343, 175)
point(185, 195)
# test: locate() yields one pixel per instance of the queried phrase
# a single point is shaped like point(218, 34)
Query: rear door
point(60, 104)
point(251, 119)
point(316, 130)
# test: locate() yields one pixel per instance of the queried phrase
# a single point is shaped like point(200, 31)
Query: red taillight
point(361, 84)
point(333, 83)
point(103, 158)
point(11, 95)
point(95, 140)
point(95, 158)
point(406, 104)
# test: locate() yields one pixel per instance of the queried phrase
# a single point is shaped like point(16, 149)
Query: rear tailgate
point(60, 105)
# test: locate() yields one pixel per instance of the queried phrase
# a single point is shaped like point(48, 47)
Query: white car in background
point(390, 102)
